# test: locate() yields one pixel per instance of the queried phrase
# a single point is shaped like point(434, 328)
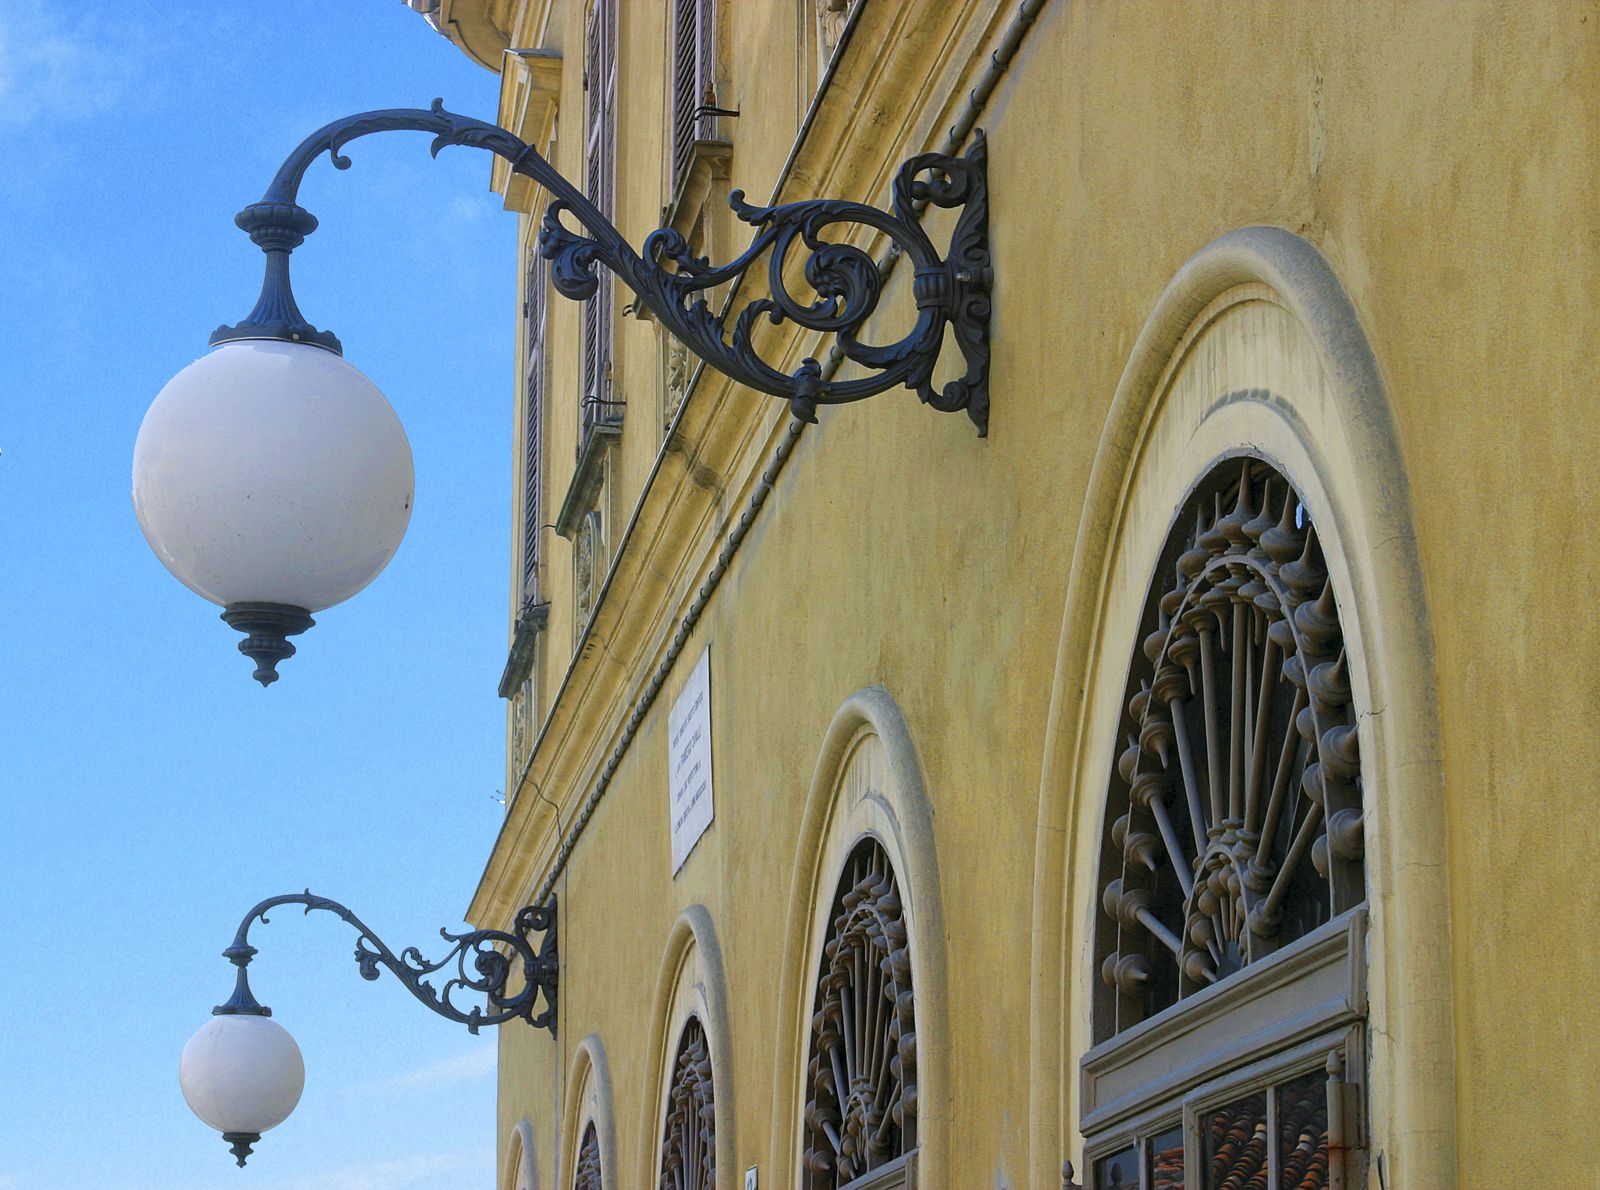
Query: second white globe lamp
point(242, 1074)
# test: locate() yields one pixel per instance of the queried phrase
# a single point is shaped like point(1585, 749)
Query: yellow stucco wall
point(1442, 158)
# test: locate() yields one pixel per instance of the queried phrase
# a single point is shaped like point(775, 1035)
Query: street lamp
point(242, 1073)
point(273, 478)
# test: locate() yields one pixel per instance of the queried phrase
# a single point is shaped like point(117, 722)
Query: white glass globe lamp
point(275, 480)
point(242, 1074)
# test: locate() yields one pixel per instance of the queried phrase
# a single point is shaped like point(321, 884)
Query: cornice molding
point(530, 94)
point(480, 29)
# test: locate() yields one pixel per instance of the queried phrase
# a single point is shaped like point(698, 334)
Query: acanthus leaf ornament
point(951, 291)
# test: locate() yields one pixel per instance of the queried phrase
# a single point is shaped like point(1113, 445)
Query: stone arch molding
point(521, 1168)
point(867, 781)
point(1255, 348)
point(690, 983)
point(589, 1101)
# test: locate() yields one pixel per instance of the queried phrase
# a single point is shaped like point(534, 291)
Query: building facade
point(1188, 781)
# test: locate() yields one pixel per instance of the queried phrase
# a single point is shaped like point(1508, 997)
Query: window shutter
point(685, 79)
point(693, 77)
point(706, 61)
point(600, 83)
point(533, 426)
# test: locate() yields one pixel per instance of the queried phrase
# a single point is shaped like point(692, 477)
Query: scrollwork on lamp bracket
point(490, 975)
point(951, 291)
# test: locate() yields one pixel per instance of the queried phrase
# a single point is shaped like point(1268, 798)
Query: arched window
point(587, 1129)
point(860, 1125)
point(689, 1145)
point(1230, 937)
point(586, 1175)
point(521, 1168)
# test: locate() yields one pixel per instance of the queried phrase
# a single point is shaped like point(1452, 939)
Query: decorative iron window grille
point(1232, 883)
point(600, 120)
point(689, 1144)
point(533, 312)
point(693, 80)
point(861, 1113)
point(1235, 811)
point(586, 1174)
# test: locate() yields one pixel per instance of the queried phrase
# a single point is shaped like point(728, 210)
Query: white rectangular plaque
point(689, 762)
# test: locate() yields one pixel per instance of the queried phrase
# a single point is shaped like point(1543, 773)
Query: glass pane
point(1236, 1144)
point(1120, 1169)
point(1166, 1160)
point(1303, 1132)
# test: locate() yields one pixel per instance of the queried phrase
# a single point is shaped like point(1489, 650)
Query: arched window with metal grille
point(689, 1143)
point(1230, 936)
point(860, 1124)
point(586, 1175)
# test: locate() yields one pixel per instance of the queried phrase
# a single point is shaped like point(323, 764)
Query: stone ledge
point(586, 478)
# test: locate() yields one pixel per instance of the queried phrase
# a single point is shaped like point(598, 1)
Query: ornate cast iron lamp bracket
point(490, 970)
point(951, 291)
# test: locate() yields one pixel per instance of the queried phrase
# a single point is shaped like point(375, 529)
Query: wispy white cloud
point(470, 207)
point(436, 1169)
point(470, 1066)
point(57, 63)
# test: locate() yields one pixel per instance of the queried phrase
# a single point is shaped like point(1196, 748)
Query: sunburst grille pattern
point(1234, 817)
point(689, 1146)
point(861, 1112)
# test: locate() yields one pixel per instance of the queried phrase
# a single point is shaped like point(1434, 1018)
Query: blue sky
point(150, 792)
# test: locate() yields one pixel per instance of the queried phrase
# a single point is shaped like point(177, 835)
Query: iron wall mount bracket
point(951, 292)
point(495, 955)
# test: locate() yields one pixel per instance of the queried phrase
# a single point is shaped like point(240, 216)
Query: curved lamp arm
point(950, 291)
point(490, 974)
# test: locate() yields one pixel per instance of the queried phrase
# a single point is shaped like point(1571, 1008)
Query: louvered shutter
point(693, 60)
point(705, 63)
point(533, 427)
point(600, 82)
point(685, 89)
